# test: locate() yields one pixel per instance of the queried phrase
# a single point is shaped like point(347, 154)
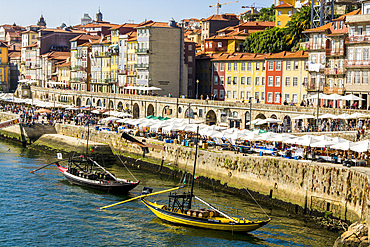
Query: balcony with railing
point(331, 90)
point(334, 71)
point(76, 68)
point(356, 63)
point(122, 71)
point(316, 46)
point(76, 79)
point(334, 52)
point(313, 86)
point(142, 66)
point(142, 51)
point(358, 39)
point(113, 52)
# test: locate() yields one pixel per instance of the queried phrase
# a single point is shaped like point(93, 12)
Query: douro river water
point(43, 209)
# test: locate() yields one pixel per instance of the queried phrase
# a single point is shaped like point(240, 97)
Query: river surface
point(43, 209)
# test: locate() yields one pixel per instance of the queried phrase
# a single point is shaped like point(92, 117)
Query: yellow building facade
point(295, 77)
point(4, 68)
point(283, 12)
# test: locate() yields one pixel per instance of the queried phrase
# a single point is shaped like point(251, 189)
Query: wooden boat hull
point(207, 223)
point(117, 187)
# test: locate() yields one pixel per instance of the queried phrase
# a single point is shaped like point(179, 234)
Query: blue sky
point(27, 12)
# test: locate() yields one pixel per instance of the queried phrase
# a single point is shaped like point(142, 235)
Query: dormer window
point(341, 25)
point(335, 25)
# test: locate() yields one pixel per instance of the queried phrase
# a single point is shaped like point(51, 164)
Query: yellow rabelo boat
point(179, 211)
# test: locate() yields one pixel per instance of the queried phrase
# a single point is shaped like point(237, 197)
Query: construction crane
point(252, 7)
point(219, 5)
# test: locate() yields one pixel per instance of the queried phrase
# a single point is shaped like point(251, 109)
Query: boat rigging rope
point(126, 166)
point(253, 198)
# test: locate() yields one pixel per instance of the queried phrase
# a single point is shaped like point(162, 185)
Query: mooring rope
point(126, 166)
point(253, 198)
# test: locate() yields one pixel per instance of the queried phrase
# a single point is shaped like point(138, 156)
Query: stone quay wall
point(310, 185)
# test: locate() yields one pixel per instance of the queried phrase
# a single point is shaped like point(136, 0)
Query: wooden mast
point(195, 163)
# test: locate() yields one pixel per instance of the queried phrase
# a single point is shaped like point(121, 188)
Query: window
point(359, 30)
point(235, 66)
point(257, 81)
point(314, 59)
point(222, 66)
point(295, 81)
point(235, 80)
point(190, 59)
point(295, 98)
point(269, 97)
point(258, 66)
point(365, 76)
point(243, 66)
point(222, 80)
point(350, 54)
point(256, 95)
point(229, 94)
point(262, 96)
point(322, 59)
point(215, 93)
point(349, 77)
point(367, 32)
point(335, 25)
point(279, 12)
point(279, 23)
point(357, 77)
point(215, 66)
point(287, 97)
point(287, 65)
point(278, 65)
point(271, 65)
point(235, 96)
point(341, 25)
point(219, 44)
point(263, 65)
point(249, 66)
point(289, 13)
point(190, 47)
point(358, 54)
point(271, 81)
point(296, 64)
point(277, 97)
point(366, 54)
point(229, 66)
point(215, 81)
point(222, 94)
point(248, 94)
point(229, 80)
point(277, 81)
point(287, 81)
point(1, 51)
point(242, 80)
point(242, 94)
point(249, 81)
point(263, 81)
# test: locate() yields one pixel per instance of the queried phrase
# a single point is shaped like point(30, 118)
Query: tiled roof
point(284, 5)
point(319, 29)
point(155, 24)
point(64, 64)
point(287, 55)
point(124, 25)
point(99, 25)
point(85, 37)
point(240, 57)
point(355, 12)
point(15, 54)
point(223, 17)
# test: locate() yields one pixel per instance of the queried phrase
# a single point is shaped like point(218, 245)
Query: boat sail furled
point(179, 210)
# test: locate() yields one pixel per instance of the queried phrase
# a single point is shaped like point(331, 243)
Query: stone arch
point(287, 123)
point(120, 106)
point(88, 101)
point(111, 105)
point(150, 110)
point(187, 113)
point(247, 119)
point(135, 111)
point(99, 103)
point(273, 116)
point(260, 116)
point(167, 111)
point(78, 101)
point(211, 118)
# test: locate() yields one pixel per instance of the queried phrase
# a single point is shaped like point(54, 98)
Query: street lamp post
point(250, 113)
point(318, 105)
point(197, 88)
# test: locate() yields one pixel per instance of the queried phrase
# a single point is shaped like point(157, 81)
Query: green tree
point(267, 14)
point(299, 22)
point(270, 40)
